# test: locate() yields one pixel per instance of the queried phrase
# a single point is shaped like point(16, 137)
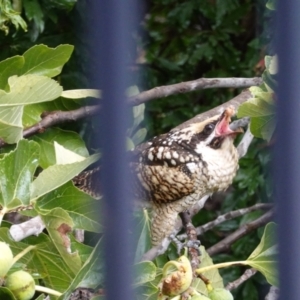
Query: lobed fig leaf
point(220, 294)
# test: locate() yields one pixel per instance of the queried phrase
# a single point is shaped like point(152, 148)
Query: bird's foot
point(192, 244)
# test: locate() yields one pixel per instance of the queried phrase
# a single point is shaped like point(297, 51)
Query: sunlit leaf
point(264, 258)
point(262, 112)
point(28, 89)
point(64, 156)
point(70, 140)
point(42, 60)
point(83, 93)
point(56, 175)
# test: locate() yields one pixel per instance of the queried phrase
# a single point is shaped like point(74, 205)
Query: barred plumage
point(175, 170)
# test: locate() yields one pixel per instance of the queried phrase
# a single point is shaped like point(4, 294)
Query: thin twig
point(247, 274)
point(225, 244)
point(228, 216)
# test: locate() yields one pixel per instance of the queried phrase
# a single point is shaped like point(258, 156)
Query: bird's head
point(215, 132)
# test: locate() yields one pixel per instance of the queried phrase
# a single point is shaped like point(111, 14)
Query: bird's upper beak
point(222, 128)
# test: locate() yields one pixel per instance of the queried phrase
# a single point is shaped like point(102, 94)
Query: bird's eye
point(209, 128)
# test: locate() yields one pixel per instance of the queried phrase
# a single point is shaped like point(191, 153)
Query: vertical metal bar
point(287, 147)
point(111, 21)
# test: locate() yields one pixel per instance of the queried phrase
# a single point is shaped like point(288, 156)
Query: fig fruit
point(220, 294)
point(6, 258)
point(199, 297)
point(21, 284)
point(176, 281)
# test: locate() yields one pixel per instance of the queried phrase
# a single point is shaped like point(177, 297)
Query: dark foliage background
point(176, 41)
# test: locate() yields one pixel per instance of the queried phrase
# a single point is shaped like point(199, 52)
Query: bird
point(173, 171)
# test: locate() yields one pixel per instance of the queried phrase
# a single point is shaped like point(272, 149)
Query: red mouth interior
point(223, 128)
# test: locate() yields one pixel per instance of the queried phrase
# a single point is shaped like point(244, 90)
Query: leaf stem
point(2, 213)
point(22, 253)
point(221, 265)
point(47, 290)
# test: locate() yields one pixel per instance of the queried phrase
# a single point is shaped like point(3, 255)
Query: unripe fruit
point(21, 285)
point(220, 294)
point(6, 258)
point(178, 281)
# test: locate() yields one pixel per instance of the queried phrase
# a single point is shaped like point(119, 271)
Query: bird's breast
point(219, 167)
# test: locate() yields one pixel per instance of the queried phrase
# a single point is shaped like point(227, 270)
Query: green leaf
point(213, 275)
point(8, 14)
point(11, 128)
point(264, 257)
point(262, 113)
point(45, 262)
point(41, 297)
point(64, 4)
point(32, 112)
point(56, 175)
point(83, 93)
point(6, 294)
point(38, 60)
point(145, 272)
point(70, 140)
point(42, 60)
point(23, 90)
point(271, 4)
point(143, 234)
point(83, 250)
point(28, 89)
point(16, 173)
point(8, 68)
point(59, 225)
point(90, 275)
point(269, 81)
point(82, 208)
point(271, 63)
point(139, 136)
point(33, 11)
point(132, 91)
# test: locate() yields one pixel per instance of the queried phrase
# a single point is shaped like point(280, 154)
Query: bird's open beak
point(222, 128)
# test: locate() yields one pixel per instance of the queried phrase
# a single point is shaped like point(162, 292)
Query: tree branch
point(21, 231)
point(239, 233)
point(247, 274)
point(50, 119)
point(235, 102)
point(228, 216)
point(192, 239)
point(194, 85)
point(273, 293)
